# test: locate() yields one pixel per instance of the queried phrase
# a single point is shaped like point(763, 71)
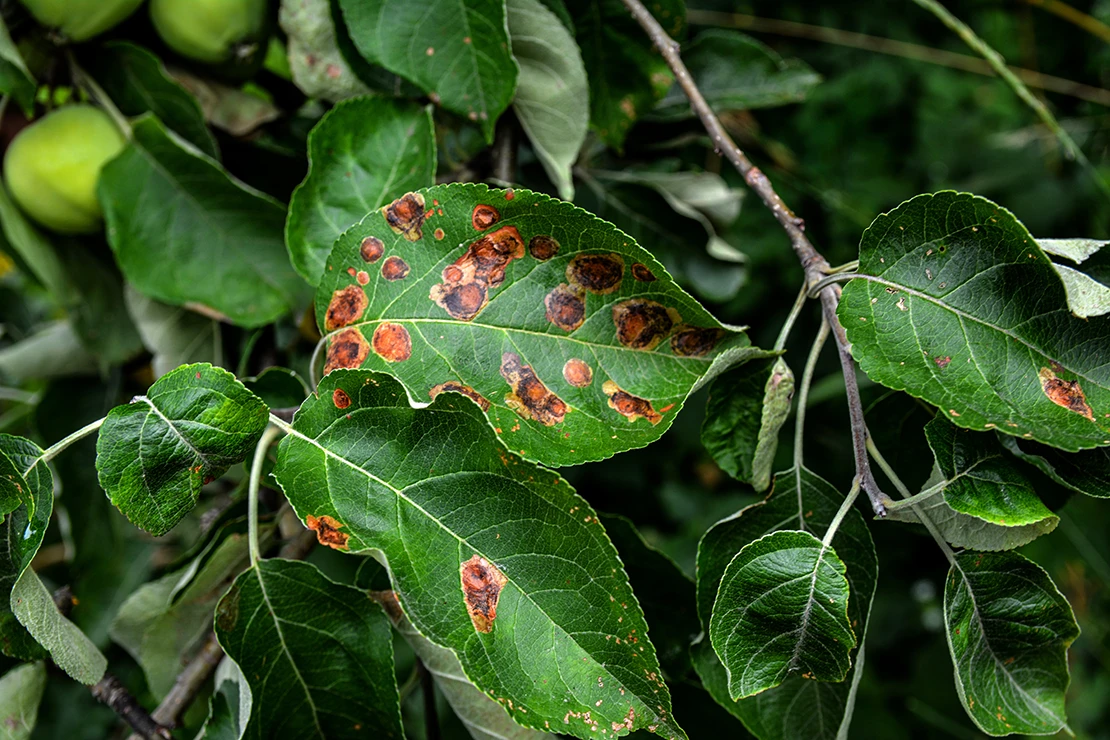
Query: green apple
point(210, 31)
point(81, 19)
point(52, 167)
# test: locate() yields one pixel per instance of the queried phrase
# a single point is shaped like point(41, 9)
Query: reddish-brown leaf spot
point(392, 342)
point(351, 271)
point(642, 273)
point(340, 398)
point(509, 195)
point(406, 216)
point(389, 602)
point(629, 406)
point(363, 277)
point(466, 283)
point(466, 390)
point(371, 249)
point(942, 362)
point(565, 306)
point(481, 586)
point(438, 234)
point(327, 531)
point(691, 341)
point(395, 268)
point(543, 247)
point(643, 324)
point(484, 217)
point(530, 398)
point(597, 273)
point(578, 373)
point(346, 307)
point(1065, 393)
point(348, 349)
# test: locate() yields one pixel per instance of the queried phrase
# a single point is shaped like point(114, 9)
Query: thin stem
point(260, 449)
point(917, 498)
point(18, 396)
point(845, 507)
point(55, 449)
point(799, 302)
point(312, 379)
point(803, 391)
point(281, 424)
point(188, 684)
point(1091, 25)
point(839, 277)
point(504, 150)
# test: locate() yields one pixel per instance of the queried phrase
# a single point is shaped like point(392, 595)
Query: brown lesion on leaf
point(629, 406)
point(484, 217)
point(464, 291)
point(942, 362)
point(598, 273)
point(466, 390)
point(327, 531)
point(530, 398)
point(642, 273)
point(643, 324)
point(1065, 393)
point(578, 373)
point(566, 307)
point(693, 341)
point(543, 247)
point(340, 398)
point(346, 307)
point(395, 268)
point(390, 603)
point(348, 349)
point(371, 249)
point(392, 342)
point(406, 216)
point(482, 583)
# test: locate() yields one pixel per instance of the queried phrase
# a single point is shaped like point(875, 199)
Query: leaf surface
point(317, 65)
point(1087, 471)
point(21, 690)
point(15, 78)
point(174, 335)
point(68, 646)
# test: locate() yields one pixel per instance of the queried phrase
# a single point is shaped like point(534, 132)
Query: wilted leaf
point(569, 335)
point(154, 454)
point(453, 512)
point(174, 335)
point(15, 78)
point(1087, 471)
point(965, 311)
point(21, 691)
point(68, 646)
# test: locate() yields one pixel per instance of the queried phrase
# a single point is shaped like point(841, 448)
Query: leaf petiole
point(845, 507)
point(803, 390)
point(260, 449)
point(905, 492)
point(799, 302)
point(55, 449)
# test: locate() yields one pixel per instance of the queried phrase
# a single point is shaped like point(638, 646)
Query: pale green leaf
point(1076, 250)
point(1086, 296)
point(317, 64)
point(174, 335)
point(230, 706)
point(52, 352)
point(21, 690)
point(68, 646)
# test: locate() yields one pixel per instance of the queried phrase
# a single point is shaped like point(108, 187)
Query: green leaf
point(68, 646)
point(185, 233)
point(1086, 296)
point(36, 251)
point(154, 454)
point(476, 543)
point(52, 352)
point(627, 349)
point(21, 690)
point(95, 303)
point(964, 310)
point(317, 64)
point(782, 608)
point(736, 72)
point(746, 409)
point(174, 335)
point(278, 387)
point(1008, 629)
point(15, 78)
point(1076, 250)
point(455, 50)
point(22, 531)
point(230, 706)
point(318, 655)
point(1086, 472)
point(552, 94)
point(484, 718)
point(14, 490)
point(138, 83)
point(362, 154)
point(627, 76)
point(799, 707)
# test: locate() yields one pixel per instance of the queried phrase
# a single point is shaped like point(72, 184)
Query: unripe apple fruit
point(81, 19)
point(210, 31)
point(52, 166)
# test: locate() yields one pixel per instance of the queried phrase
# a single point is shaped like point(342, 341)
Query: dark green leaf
point(96, 305)
point(15, 78)
point(965, 311)
point(362, 154)
point(453, 512)
point(21, 691)
point(185, 233)
point(14, 490)
point(154, 454)
point(278, 387)
point(174, 335)
point(457, 52)
point(1086, 472)
point(1009, 629)
point(318, 655)
point(569, 359)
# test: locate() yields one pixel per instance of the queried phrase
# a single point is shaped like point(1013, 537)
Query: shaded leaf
point(15, 78)
point(583, 351)
point(14, 490)
point(53, 351)
point(68, 646)
point(965, 311)
point(453, 512)
point(1087, 471)
point(230, 705)
point(318, 655)
point(236, 110)
point(1009, 629)
point(21, 690)
point(96, 305)
point(174, 335)
point(278, 387)
point(154, 454)
point(362, 154)
point(36, 251)
point(317, 64)
point(185, 233)
point(552, 95)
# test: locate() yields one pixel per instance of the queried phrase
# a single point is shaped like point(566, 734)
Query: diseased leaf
point(736, 72)
point(1086, 472)
point(154, 454)
point(798, 707)
point(964, 310)
point(21, 690)
point(552, 95)
point(569, 335)
point(174, 335)
point(476, 543)
point(68, 646)
point(1008, 629)
point(362, 154)
point(317, 64)
point(746, 409)
point(185, 233)
point(318, 655)
point(455, 50)
point(15, 78)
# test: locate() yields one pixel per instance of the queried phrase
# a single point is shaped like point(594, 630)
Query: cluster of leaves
point(474, 338)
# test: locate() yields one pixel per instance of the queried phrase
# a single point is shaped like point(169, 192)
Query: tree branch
point(814, 264)
point(189, 682)
point(111, 691)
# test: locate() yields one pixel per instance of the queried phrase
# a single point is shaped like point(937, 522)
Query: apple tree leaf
point(1087, 471)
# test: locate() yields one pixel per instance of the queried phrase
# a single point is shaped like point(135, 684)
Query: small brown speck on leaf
point(629, 406)
point(942, 362)
point(484, 217)
point(438, 234)
point(348, 349)
point(481, 586)
point(363, 277)
point(642, 273)
point(530, 398)
point(327, 531)
point(406, 216)
point(565, 306)
point(395, 268)
point(692, 341)
point(643, 324)
point(597, 273)
point(543, 247)
point(466, 390)
point(578, 373)
point(346, 307)
point(1065, 393)
point(340, 398)
point(392, 342)
point(464, 291)
point(371, 249)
